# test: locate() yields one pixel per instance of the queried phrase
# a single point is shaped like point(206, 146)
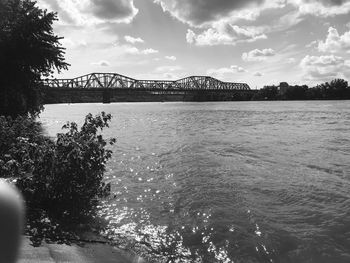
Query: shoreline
point(96, 249)
point(49, 240)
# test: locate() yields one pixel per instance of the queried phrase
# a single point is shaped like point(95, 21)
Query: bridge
point(110, 87)
point(117, 81)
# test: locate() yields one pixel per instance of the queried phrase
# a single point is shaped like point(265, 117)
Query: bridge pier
point(106, 96)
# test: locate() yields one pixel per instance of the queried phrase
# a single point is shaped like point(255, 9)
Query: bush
point(64, 177)
point(19, 139)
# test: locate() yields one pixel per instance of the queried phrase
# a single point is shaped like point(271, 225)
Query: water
point(227, 182)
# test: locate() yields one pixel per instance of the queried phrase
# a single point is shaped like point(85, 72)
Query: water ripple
point(227, 182)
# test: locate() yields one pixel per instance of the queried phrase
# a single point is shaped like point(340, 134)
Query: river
point(227, 181)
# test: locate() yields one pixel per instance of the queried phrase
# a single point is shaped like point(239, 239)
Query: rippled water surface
point(227, 182)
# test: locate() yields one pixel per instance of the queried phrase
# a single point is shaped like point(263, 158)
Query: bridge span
point(113, 87)
point(117, 81)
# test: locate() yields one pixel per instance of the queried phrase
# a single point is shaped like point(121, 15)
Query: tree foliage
point(65, 176)
point(267, 93)
point(28, 50)
point(336, 89)
point(296, 92)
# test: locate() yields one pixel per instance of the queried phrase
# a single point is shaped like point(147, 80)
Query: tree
point(268, 93)
point(296, 92)
point(339, 88)
point(28, 50)
point(314, 93)
point(336, 89)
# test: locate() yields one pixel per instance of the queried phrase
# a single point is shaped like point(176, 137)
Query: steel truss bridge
point(117, 81)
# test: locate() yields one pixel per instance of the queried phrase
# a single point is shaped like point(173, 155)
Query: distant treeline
point(337, 89)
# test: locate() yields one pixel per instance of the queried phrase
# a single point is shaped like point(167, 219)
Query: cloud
point(227, 22)
point(258, 55)
point(291, 60)
point(173, 58)
point(190, 36)
point(285, 21)
point(112, 9)
point(312, 44)
point(334, 42)
point(149, 51)
point(324, 67)
point(91, 12)
point(102, 63)
point(324, 8)
point(221, 72)
point(53, 5)
point(136, 51)
point(238, 69)
point(224, 34)
point(219, 19)
point(133, 40)
point(206, 14)
point(201, 12)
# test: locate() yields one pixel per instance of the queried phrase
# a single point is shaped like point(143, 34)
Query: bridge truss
point(117, 81)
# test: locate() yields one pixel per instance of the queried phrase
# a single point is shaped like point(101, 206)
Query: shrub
point(19, 139)
point(65, 176)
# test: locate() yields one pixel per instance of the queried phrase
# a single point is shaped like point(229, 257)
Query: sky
point(259, 42)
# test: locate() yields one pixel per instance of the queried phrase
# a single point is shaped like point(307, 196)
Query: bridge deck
point(117, 81)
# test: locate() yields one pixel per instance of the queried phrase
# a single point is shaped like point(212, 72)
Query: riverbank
point(50, 240)
point(86, 252)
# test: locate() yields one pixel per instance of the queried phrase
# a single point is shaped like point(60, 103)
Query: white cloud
point(221, 72)
point(91, 12)
point(258, 74)
point(228, 22)
point(136, 51)
point(324, 67)
point(173, 58)
point(133, 40)
point(212, 16)
point(312, 44)
point(291, 60)
point(132, 50)
point(224, 34)
point(238, 69)
point(335, 42)
point(286, 21)
point(258, 55)
point(324, 8)
point(149, 51)
point(102, 63)
point(190, 36)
